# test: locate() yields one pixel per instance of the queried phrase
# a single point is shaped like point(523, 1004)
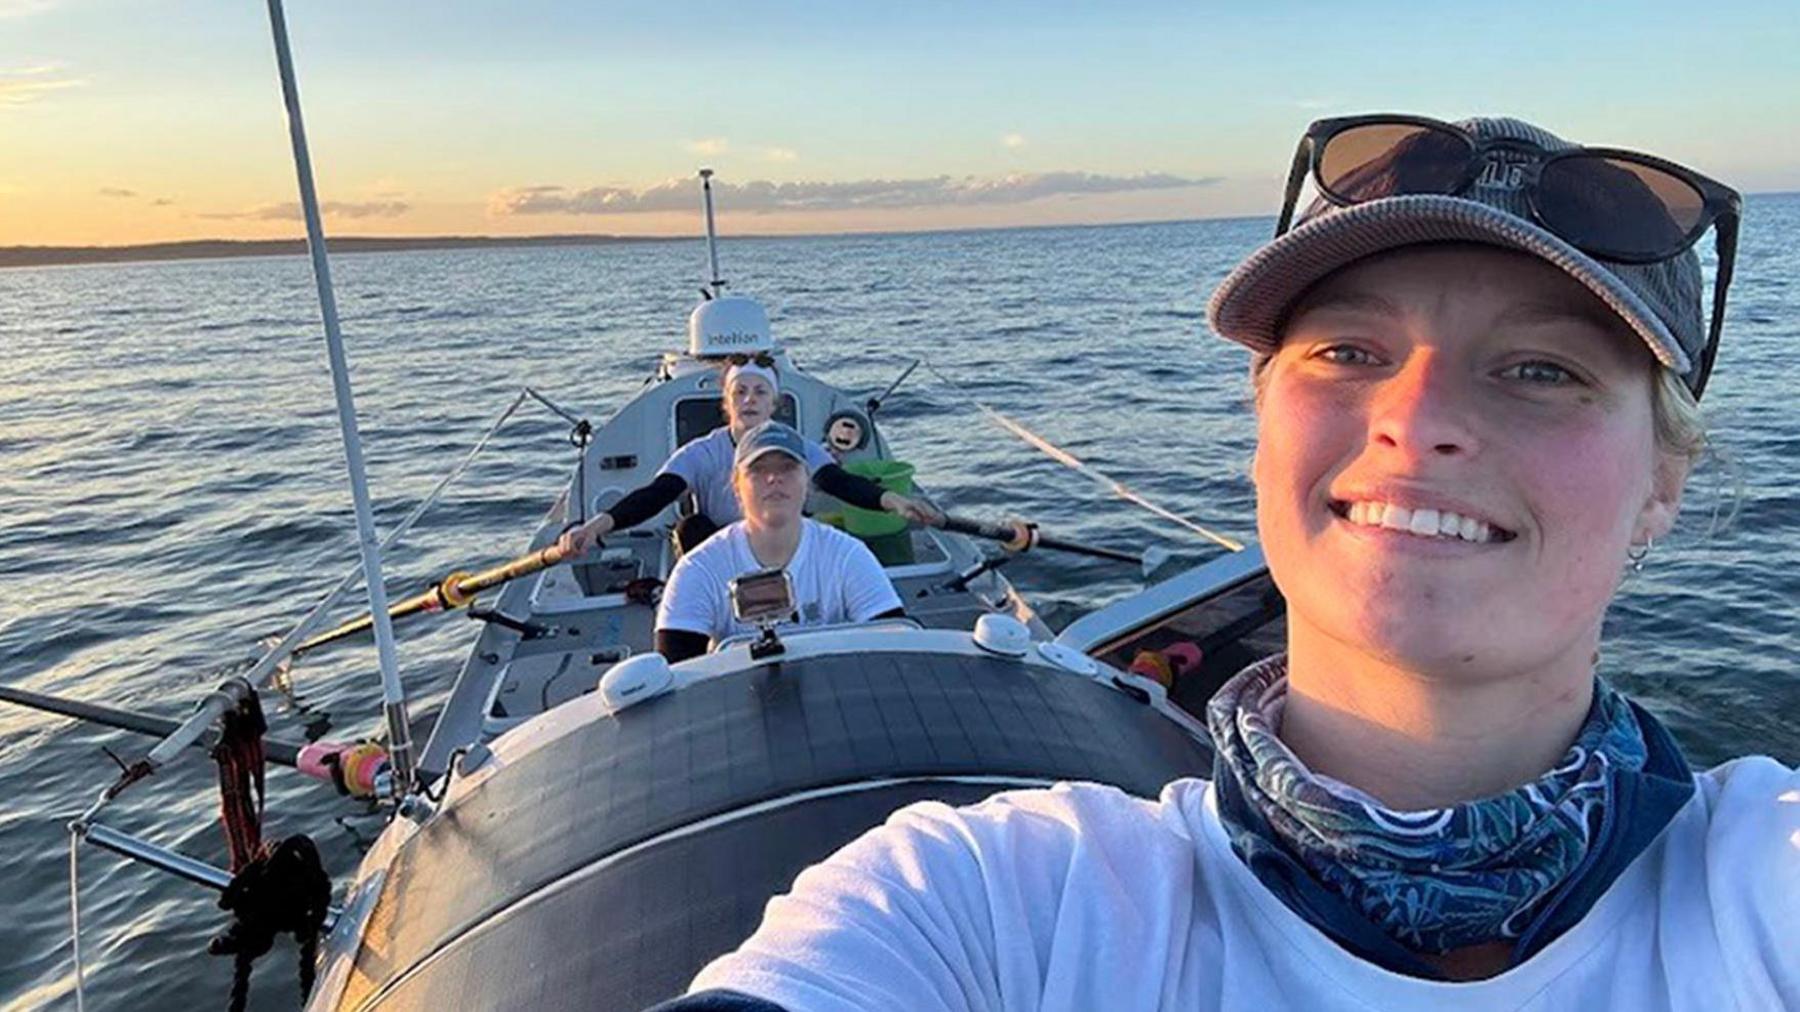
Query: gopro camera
point(762, 599)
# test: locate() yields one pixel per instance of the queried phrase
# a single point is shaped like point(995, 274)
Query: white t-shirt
point(705, 464)
point(1081, 897)
point(836, 579)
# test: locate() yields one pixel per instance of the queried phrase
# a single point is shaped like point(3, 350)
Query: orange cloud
point(760, 196)
point(290, 211)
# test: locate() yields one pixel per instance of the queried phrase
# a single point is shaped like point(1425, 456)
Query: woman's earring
point(1636, 554)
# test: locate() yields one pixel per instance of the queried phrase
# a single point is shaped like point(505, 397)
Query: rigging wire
point(1076, 464)
point(568, 416)
point(267, 669)
point(285, 646)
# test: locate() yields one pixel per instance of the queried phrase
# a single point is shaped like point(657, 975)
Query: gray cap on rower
point(769, 437)
point(1660, 301)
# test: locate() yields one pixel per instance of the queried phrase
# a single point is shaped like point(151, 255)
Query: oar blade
point(1155, 557)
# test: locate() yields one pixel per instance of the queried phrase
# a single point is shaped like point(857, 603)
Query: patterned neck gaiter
point(1432, 880)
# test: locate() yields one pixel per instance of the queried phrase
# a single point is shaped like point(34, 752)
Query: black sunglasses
point(762, 358)
point(1617, 205)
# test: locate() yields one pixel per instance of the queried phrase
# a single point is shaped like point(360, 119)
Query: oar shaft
point(454, 592)
point(277, 751)
point(427, 601)
point(525, 565)
point(1098, 552)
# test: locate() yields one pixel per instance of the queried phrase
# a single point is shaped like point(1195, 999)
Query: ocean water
point(172, 489)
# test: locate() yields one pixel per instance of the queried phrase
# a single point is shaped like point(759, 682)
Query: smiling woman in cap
point(835, 578)
point(1477, 361)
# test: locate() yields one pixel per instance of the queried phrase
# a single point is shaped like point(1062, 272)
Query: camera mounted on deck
point(763, 599)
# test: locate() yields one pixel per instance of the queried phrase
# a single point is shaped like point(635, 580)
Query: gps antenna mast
point(716, 286)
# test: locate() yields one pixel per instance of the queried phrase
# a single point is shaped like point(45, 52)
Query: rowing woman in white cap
point(835, 578)
point(751, 389)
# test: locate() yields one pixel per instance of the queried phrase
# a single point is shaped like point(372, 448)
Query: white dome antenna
point(727, 325)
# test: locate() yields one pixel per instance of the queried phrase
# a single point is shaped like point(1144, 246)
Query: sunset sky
point(126, 121)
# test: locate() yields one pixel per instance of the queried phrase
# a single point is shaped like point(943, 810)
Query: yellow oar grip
point(1024, 536)
point(450, 595)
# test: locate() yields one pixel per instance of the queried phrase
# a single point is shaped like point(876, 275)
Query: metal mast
point(400, 757)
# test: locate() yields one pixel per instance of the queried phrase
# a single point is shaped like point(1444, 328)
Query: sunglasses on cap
point(762, 358)
point(1616, 205)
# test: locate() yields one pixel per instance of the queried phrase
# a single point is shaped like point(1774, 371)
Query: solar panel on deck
point(717, 747)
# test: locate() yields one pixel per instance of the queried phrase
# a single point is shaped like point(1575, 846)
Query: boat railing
point(788, 635)
point(1091, 633)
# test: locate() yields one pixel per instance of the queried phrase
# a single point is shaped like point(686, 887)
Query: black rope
point(240, 981)
point(283, 891)
point(309, 960)
point(275, 889)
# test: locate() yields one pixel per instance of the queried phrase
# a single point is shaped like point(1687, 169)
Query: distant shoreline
point(211, 249)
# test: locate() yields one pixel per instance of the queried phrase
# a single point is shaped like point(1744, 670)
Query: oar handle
point(1019, 536)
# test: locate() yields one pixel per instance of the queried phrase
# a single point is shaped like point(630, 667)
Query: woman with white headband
point(1477, 359)
point(751, 390)
point(834, 578)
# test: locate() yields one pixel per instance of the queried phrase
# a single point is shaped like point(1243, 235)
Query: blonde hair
point(1680, 427)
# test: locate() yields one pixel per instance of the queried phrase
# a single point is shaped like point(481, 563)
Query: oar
point(285, 753)
point(1079, 466)
point(454, 591)
point(1018, 536)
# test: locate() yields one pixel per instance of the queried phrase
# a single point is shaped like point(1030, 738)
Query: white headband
point(751, 369)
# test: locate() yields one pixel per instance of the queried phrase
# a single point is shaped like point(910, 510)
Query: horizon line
point(46, 255)
point(20, 256)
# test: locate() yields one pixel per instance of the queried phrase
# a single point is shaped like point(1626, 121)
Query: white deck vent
point(1002, 634)
point(635, 679)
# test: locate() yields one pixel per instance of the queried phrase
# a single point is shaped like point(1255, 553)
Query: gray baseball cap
point(1660, 301)
point(769, 437)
